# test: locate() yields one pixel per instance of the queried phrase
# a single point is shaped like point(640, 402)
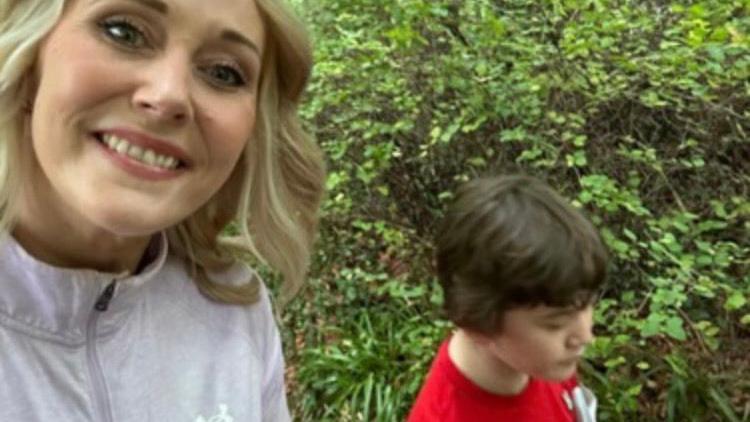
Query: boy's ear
point(483, 338)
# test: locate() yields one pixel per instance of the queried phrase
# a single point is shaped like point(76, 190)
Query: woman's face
point(143, 108)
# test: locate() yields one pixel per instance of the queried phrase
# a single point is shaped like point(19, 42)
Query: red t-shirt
point(448, 396)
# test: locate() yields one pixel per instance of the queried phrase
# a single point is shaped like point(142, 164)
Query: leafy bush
point(636, 110)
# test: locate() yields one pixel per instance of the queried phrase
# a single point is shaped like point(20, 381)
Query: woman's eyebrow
point(234, 36)
point(157, 5)
point(227, 34)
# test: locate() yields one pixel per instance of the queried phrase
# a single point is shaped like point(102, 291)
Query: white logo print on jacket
point(223, 416)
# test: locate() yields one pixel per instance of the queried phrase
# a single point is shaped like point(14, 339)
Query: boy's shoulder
point(447, 395)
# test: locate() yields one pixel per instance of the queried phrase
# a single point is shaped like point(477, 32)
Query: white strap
point(584, 402)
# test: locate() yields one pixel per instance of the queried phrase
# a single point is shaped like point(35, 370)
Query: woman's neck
point(76, 252)
point(72, 243)
point(484, 369)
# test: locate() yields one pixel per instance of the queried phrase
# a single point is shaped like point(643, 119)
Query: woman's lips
point(148, 142)
point(137, 168)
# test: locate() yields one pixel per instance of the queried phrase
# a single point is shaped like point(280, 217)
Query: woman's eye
point(224, 75)
point(123, 32)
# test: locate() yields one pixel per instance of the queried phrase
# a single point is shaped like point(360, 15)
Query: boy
point(520, 269)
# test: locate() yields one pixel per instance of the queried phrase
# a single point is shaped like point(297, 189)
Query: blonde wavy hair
point(272, 195)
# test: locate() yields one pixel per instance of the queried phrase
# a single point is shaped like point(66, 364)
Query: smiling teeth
point(143, 155)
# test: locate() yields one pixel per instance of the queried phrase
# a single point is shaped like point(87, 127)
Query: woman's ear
point(28, 92)
point(28, 106)
point(225, 202)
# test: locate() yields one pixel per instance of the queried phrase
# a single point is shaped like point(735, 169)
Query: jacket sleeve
point(275, 408)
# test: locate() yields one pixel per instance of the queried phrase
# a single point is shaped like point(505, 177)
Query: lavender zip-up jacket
point(81, 345)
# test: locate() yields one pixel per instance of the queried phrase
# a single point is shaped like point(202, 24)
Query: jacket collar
point(55, 302)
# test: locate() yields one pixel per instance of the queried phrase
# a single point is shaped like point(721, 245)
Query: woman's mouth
point(138, 153)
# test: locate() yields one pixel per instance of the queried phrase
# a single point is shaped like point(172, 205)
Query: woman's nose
point(164, 92)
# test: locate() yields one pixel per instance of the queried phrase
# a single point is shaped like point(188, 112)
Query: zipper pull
point(103, 302)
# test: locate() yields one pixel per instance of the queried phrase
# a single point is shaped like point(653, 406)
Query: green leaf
point(652, 325)
point(716, 53)
point(723, 402)
point(629, 234)
point(674, 328)
point(530, 154)
point(735, 301)
point(515, 134)
point(436, 132)
point(477, 162)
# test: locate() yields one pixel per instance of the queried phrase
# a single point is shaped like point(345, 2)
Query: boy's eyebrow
point(560, 312)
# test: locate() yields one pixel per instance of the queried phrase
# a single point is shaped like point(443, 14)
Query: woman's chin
point(130, 223)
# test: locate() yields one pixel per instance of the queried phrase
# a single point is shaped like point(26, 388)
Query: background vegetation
point(637, 110)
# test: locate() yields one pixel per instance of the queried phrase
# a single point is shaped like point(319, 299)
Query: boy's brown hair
point(512, 241)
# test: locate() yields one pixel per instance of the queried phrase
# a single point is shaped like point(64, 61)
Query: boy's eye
point(224, 75)
point(123, 32)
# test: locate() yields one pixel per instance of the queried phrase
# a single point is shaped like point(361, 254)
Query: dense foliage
point(637, 110)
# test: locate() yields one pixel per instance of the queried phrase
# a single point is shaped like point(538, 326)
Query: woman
point(132, 132)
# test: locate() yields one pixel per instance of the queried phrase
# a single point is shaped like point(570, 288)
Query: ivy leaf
point(652, 325)
point(674, 329)
point(735, 301)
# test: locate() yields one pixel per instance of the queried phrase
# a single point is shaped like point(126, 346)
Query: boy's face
point(543, 342)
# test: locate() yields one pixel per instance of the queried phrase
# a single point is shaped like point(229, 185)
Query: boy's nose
point(583, 333)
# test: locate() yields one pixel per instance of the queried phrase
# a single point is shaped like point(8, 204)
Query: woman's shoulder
point(179, 289)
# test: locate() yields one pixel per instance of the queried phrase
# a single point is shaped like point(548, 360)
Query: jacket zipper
point(102, 304)
point(101, 397)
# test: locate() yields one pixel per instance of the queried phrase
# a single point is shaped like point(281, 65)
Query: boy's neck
point(484, 369)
